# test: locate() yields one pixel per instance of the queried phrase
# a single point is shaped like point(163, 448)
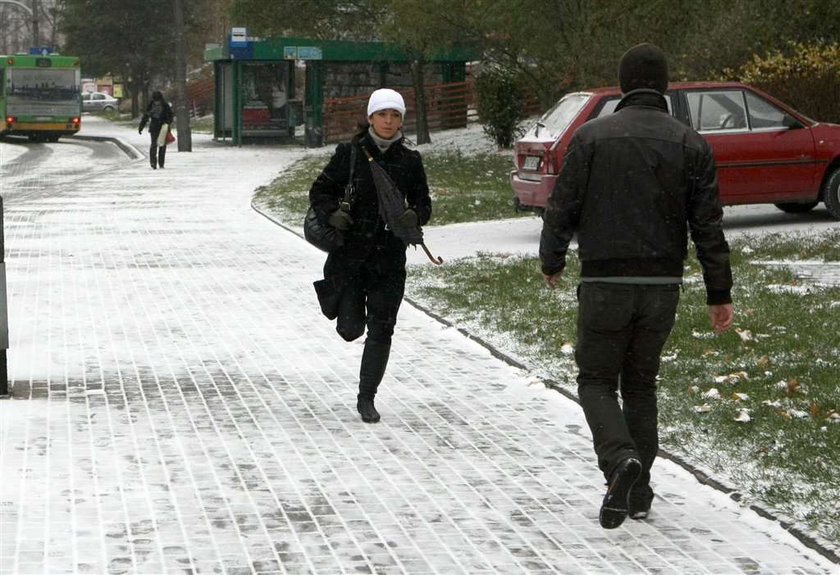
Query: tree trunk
point(134, 90)
point(182, 111)
point(36, 35)
point(422, 120)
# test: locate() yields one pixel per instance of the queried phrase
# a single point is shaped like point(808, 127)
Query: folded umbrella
point(392, 207)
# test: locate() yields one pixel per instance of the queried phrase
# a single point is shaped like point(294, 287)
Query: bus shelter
point(266, 88)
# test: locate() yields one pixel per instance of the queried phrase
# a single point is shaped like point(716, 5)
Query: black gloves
point(407, 220)
point(340, 220)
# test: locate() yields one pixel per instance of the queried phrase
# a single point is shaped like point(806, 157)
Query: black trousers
point(371, 298)
point(621, 331)
point(157, 154)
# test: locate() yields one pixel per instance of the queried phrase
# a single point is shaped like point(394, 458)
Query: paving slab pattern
point(180, 406)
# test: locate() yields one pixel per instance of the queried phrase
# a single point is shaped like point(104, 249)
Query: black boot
point(161, 156)
point(374, 362)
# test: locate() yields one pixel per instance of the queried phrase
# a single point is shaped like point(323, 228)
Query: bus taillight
point(10, 120)
point(76, 121)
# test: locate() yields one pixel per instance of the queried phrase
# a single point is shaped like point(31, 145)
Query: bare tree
point(26, 23)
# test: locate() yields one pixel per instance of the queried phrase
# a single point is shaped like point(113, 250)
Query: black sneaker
point(615, 506)
point(639, 504)
point(367, 410)
point(638, 513)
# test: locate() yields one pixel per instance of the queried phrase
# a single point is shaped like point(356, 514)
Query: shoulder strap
point(348, 189)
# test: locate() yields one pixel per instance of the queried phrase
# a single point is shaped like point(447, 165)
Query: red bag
point(170, 137)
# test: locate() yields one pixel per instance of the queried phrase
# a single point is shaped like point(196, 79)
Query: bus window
point(45, 85)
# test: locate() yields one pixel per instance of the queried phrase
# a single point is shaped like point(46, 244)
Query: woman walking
point(158, 115)
point(364, 280)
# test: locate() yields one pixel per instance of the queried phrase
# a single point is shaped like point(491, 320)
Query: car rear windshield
point(557, 119)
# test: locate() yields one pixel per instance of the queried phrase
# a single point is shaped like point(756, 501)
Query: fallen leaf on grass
point(743, 416)
point(740, 396)
point(797, 414)
point(744, 334)
point(702, 408)
point(790, 387)
point(732, 378)
point(712, 393)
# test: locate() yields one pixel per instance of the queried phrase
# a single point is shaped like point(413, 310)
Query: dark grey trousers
point(621, 331)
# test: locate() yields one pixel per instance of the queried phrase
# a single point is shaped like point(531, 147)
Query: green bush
point(805, 76)
point(500, 103)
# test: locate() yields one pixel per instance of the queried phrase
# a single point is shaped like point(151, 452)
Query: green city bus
point(40, 96)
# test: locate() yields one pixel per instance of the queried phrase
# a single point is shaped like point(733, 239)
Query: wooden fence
point(200, 96)
point(448, 106)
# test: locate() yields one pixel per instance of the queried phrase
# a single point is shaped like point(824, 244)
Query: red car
point(766, 152)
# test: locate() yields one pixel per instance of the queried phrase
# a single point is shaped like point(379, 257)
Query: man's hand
point(721, 316)
point(551, 280)
point(340, 220)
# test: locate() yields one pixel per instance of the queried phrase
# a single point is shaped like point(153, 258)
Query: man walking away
point(633, 185)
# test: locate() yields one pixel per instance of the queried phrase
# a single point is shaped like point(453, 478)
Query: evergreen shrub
point(500, 103)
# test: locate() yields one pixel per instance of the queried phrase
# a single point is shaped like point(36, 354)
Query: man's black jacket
point(633, 184)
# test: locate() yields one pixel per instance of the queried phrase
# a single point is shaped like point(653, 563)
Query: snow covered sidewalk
point(181, 406)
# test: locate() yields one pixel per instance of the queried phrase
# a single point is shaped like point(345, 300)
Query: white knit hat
point(385, 99)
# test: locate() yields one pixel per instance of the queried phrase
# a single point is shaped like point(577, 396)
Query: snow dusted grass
point(756, 406)
point(288, 195)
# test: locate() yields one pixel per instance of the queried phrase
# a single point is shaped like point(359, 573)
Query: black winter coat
point(368, 231)
point(632, 185)
point(156, 114)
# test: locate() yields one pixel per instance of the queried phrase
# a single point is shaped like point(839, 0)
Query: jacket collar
point(367, 140)
point(643, 97)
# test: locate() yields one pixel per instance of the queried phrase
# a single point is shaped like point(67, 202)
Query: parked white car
point(99, 102)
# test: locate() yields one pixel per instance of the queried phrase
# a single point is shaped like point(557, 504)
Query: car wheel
point(796, 207)
point(108, 109)
point(831, 194)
